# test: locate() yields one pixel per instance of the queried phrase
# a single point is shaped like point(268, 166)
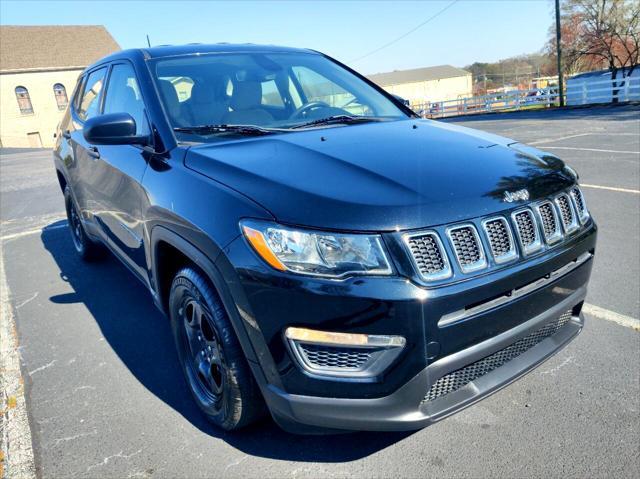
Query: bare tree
point(600, 33)
point(573, 60)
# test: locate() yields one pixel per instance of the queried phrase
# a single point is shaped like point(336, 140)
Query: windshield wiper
point(239, 129)
point(331, 120)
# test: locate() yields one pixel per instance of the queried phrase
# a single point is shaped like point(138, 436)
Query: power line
point(407, 33)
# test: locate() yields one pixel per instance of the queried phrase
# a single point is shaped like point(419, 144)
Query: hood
point(380, 176)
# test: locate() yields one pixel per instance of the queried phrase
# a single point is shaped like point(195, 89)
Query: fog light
point(343, 355)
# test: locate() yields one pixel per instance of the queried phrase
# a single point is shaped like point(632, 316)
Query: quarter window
point(90, 102)
point(60, 93)
point(123, 96)
point(24, 100)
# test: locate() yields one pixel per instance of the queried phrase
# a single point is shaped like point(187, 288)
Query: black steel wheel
point(86, 248)
point(212, 360)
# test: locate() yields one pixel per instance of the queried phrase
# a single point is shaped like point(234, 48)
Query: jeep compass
point(322, 253)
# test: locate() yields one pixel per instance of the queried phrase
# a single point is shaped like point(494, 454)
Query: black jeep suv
point(321, 252)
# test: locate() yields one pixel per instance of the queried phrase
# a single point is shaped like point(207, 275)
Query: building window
point(24, 101)
point(60, 92)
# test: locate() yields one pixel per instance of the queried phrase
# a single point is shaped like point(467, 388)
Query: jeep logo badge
point(520, 195)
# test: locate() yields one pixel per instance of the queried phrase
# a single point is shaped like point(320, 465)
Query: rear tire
point(212, 360)
point(87, 249)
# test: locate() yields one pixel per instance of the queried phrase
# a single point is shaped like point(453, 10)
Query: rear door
point(114, 189)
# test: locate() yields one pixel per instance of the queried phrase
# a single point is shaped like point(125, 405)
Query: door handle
point(93, 152)
point(66, 134)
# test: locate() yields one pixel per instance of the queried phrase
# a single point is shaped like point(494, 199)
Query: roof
point(24, 48)
point(417, 75)
point(191, 48)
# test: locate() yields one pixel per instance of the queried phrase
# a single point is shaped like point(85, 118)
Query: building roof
point(26, 48)
point(417, 75)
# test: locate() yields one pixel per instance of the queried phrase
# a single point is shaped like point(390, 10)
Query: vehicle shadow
point(139, 334)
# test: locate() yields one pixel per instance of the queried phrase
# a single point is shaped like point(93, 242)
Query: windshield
point(269, 90)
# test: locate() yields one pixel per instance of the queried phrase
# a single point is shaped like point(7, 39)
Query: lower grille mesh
point(327, 356)
point(461, 377)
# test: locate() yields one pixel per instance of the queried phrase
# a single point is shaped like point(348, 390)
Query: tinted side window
point(123, 95)
point(77, 92)
point(90, 100)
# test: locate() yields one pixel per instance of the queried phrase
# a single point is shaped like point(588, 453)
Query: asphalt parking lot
point(105, 397)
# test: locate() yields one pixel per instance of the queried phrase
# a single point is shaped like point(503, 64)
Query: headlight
point(316, 253)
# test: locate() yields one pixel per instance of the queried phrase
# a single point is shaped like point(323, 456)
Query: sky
point(465, 32)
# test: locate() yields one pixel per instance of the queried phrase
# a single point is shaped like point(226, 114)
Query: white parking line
point(17, 449)
point(611, 188)
point(607, 315)
point(552, 140)
point(32, 225)
point(30, 232)
point(592, 149)
point(577, 135)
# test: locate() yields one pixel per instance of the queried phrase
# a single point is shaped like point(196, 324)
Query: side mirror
point(113, 129)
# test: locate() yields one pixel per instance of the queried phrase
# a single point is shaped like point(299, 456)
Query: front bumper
point(406, 409)
point(270, 302)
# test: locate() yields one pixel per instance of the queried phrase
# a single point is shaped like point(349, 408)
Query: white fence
point(577, 93)
point(587, 91)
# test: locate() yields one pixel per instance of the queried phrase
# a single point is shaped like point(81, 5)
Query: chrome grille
point(550, 224)
point(495, 240)
point(467, 247)
point(500, 239)
point(578, 201)
point(566, 213)
point(526, 228)
point(527, 231)
point(457, 379)
point(330, 357)
point(429, 256)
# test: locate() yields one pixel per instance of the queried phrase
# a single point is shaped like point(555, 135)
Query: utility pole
point(559, 54)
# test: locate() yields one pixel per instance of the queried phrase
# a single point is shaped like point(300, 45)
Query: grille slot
point(467, 247)
point(457, 379)
point(581, 206)
point(500, 239)
point(550, 224)
point(429, 256)
point(331, 357)
point(566, 213)
point(527, 231)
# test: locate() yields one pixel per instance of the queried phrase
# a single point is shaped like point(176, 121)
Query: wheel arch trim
point(201, 260)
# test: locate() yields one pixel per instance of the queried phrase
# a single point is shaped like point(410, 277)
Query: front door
point(115, 187)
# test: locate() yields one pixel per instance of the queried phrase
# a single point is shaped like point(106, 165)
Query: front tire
point(212, 360)
point(87, 249)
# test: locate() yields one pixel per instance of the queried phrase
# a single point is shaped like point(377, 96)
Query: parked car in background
point(321, 253)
